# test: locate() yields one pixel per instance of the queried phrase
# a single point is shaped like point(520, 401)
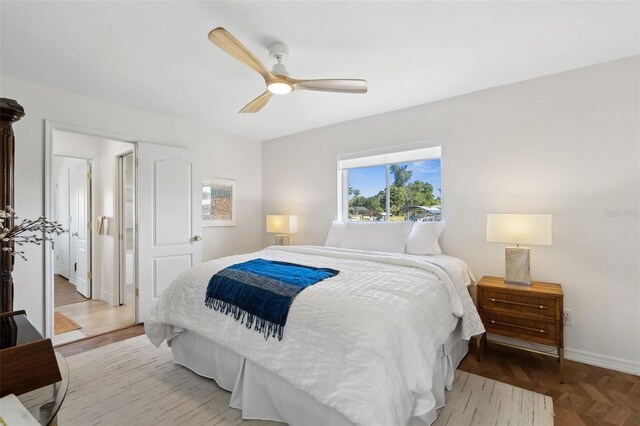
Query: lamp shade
point(519, 229)
point(282, 224)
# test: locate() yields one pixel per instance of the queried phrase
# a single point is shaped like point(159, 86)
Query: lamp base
point(282, 240)
point(516, 265)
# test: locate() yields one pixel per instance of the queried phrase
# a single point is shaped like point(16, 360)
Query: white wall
point(566, 144)
point(221, 155)
point(75, 145)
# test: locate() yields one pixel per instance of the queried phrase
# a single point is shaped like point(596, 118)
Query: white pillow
point(423, 238)
point(375, 236)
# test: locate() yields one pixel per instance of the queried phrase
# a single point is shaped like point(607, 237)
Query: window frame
point(417, 151)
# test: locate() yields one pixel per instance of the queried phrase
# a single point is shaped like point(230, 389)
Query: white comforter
point(363, 343)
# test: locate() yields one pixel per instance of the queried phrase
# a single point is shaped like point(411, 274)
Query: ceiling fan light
point(279, 88)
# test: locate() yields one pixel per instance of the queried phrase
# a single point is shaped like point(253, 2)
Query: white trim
point(432, 143)
point(605, 361)
point(50, 126)
point(392, 158)
point(120, 220)
point(124, 151)
point(343, 202)
point(48, 307)
point(107, 297)
point(117, 221)
point(585, 357)
point(387, 195)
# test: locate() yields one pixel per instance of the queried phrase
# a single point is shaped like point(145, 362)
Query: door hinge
point(121, 236)
point(89, 175)
point(137, 292)
point(89, 225)
point(136, 162)
point(89, 275)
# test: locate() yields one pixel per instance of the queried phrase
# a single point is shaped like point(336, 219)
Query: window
point(396, 186)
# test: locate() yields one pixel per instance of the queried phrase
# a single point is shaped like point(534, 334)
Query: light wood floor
point(589, 396)
point(65, 292)
point(94, 316)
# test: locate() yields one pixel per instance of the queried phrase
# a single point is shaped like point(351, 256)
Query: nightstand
point(531, 313)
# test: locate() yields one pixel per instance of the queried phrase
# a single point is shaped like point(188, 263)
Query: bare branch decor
point(26, 232)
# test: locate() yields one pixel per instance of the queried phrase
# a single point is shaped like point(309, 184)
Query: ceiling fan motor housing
point(279, 52)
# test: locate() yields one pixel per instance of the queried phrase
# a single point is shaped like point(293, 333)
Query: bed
point(376, 344)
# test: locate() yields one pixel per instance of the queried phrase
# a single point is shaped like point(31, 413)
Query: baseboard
point(598, 360)
point(107, 297)
point(610, 362)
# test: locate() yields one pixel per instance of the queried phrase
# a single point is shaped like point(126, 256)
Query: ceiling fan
point(277, 80)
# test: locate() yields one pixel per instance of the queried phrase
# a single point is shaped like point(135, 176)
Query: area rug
point(63, 324)
point(477, 400)
point(131, 382)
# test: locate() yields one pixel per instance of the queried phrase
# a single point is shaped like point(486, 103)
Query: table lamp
point(534, 229)
point(283, 225)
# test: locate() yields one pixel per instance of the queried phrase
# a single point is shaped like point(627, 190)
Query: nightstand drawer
point(520, 303)
point(521, 328)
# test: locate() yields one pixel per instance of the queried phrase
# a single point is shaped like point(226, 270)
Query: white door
point(73, 219)
point(83, 240)
point(169, 219)
point(61, 246)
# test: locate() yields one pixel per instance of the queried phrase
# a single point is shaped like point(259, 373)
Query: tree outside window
point(414, 191)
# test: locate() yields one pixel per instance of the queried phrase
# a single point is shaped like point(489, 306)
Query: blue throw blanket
point(259, 292)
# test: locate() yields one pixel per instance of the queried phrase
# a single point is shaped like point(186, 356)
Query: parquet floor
point(590, 395)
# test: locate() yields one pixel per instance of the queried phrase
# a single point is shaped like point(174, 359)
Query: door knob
point(197, 238)
point(74, 234)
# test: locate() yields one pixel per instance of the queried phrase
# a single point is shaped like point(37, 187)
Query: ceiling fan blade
point(332, 85)
point(225, 41)
point(257, 104)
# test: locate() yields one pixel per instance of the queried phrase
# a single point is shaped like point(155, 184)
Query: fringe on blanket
point(267, 328)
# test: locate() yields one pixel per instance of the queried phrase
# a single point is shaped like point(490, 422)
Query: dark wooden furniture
point(27, 361)
point(10, 112)
point(531, 313)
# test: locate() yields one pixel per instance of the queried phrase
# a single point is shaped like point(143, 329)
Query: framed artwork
point(218, 202)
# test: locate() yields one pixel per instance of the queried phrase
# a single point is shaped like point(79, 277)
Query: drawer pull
point(509, 302)
point(537, 330)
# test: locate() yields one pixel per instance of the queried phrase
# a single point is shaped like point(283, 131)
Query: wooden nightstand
point(532, 313)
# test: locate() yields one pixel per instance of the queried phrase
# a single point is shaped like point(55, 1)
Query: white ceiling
point(156, 55)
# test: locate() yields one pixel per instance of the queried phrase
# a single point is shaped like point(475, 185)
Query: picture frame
point(218, 202)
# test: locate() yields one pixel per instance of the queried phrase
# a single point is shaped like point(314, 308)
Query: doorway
point(126, 233)
point(72, 205)
point(93, 196)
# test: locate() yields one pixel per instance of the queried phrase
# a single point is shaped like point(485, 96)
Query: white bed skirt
point(263, 395)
